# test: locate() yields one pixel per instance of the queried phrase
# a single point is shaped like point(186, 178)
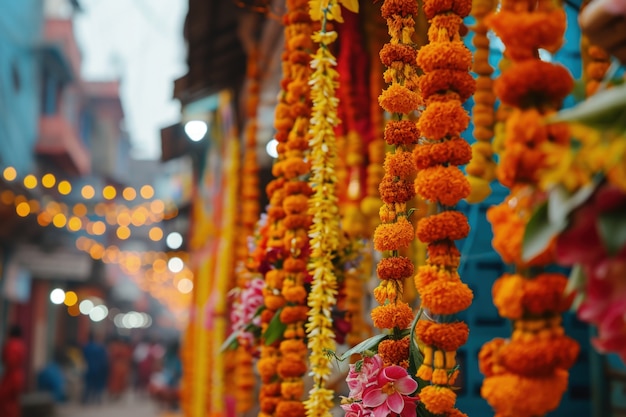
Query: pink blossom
point(356, 409)
point(392, 395)
point(366, 377)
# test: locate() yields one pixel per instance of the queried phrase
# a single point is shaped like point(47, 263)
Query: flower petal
point(395, 402)
point(406, 385)
point(374, 398)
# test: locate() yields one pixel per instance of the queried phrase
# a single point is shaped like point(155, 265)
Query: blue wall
point(21, 23)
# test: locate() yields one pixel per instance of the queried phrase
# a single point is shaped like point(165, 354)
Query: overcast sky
point(141, 43)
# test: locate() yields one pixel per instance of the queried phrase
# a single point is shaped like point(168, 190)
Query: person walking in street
point(120, 357)
point(97, 361)
point(14, 378)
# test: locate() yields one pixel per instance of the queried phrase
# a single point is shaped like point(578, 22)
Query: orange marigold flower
point(290, 409)
point(448, 225)
point(298, 187)
point(427, 274)
point(437, 399)
point(507, 295)
point(539, 357)
point(444, 336)
point(444, 55)
point(447, 24)
point(444, 80)
point(291, 366)
point(297, 221)
point(389, 316)
point(296, 294)
point(270, 389)
point(444, 254)
point(455, 151)
point(268, 404)
point(533, 83)
point(397, 52)
point(545, 294)
point(393, 236)
point(508, 393)
point(443, 119)
point(445, 185)
point(395, 268)
point(294, 265)
point(274, 185)
point(394, 352)
point(398, 7)
point(267, 367)
point(297, 346)
point(400, 164)
point(541, 30)
point(434, 7)
point(401, 133)
point(489, 357)
point(396, 190)
point(446, 297)
point(293, 314)
point(294, 167)
point(273, 303)
point(399, 99)
point(292, 390)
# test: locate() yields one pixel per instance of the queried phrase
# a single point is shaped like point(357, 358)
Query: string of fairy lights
point(99, 211)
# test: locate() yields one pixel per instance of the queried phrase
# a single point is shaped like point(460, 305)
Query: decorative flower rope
point(481, 169)
point(323, 206)
point(295, 167)
point(395, 232)
point(446, 84)
point(249, 197)
point(534, 362)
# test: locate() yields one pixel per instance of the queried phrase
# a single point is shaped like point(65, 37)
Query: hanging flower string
point(323, 206)
point(534, 362)
point(294, 168)
point(481, 169)
point(268, 256)
point(446, 84)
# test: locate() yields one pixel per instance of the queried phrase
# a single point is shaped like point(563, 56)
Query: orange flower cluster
point(446, 84)
point(395, 232)
point(293, 363)
point(533, 364)
point(597, 63)
point(481, 170)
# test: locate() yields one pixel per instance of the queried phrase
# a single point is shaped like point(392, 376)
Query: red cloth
point(14, 378)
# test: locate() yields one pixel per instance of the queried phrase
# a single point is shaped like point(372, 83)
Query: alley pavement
point(128, 406)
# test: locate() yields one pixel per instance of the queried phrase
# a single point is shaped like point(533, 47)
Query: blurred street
point(129, 406)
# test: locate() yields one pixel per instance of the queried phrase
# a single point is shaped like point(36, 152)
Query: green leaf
point(367, 344)
point(601, 110)
point(561, 203)
point(230, 343)
point(415, 356)
point(576, 284)
point(539, 232)
point(275, 329)
point(612, 228)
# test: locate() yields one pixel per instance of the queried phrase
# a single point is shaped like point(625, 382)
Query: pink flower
point(392, 394)
point(366, 377)
point(356, 410)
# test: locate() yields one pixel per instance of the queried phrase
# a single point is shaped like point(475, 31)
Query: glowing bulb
point(88, 192)
point(123, 232)
point(196, 129)
point(9, 173)
point(155, 234)
point(109, 192)
point(70, 298)
point(129, 193)
point(48, 180)
point(64, 187)
point(80, 210)
point(185, 285)
point(272, 148)
point(147, 192)
point(30, 181)
point(57, 296)
point(59, 220)
point(174, 240)
point(175, 264)
point(22, 209)
point(86, 306)
point(74, 224)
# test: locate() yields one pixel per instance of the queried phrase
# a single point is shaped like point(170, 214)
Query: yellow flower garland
point(323, 206)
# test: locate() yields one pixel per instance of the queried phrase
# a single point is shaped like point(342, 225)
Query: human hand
point(604, 23)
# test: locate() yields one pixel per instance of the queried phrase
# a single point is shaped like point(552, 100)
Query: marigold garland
point(445, 85)
point(481, 170)
point(401, 98)
point(533, 363)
